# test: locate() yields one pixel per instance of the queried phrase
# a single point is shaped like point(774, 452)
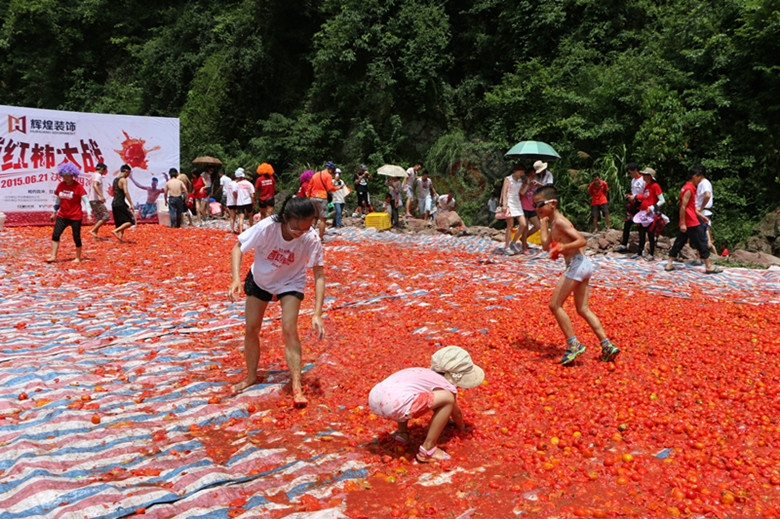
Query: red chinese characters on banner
point(19, 155)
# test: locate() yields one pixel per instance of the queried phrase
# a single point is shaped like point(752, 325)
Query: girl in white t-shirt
point(284, 246)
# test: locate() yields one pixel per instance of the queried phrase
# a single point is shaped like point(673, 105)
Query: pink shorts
point(422, 404)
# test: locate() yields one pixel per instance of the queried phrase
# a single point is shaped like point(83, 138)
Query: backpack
point(658, 224)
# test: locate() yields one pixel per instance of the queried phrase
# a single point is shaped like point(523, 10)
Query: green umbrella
point(535, 150)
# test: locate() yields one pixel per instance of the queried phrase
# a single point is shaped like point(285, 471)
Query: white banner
point(34, 142)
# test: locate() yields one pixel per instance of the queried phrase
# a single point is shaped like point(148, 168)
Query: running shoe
point(608, 352)
point(572, 352)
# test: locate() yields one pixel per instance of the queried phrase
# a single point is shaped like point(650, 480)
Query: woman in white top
point(284, 246)
point(510, 200)
point(243, 193)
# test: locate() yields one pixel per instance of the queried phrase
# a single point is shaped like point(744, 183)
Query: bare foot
point(299, 400)
point(244, 384)
point(76, 260)
point(93, 233)
point(51, 259)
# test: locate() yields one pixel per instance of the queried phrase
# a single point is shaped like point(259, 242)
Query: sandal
point(713, 271)
point(435, 454)
point(669, 268)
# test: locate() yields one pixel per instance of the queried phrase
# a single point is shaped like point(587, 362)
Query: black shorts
point(251, 289)
point(244, 209)
point(268, 202)
point(529, 214)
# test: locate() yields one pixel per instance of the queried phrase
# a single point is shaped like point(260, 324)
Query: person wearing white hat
point(230, 196)
point(545, 176)
point(412, 392)
point(650, 198)
point(244, 194)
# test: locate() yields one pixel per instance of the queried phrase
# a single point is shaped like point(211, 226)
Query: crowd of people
point(287, 243)
point(644, 203)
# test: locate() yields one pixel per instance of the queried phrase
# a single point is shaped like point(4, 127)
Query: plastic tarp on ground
point(115, 374)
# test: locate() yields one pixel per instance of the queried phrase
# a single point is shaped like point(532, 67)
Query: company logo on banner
point(34, 142)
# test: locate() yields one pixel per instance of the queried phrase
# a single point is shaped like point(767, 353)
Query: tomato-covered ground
point(115, 386)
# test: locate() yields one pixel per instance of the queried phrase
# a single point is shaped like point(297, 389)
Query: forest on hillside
point(454, 84)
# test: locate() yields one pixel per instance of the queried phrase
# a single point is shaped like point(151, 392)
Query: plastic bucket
point(163, 214)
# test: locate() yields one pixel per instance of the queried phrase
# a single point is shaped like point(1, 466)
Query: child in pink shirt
point(412, 392)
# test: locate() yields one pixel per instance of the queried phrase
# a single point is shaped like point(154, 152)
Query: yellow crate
point(379, 220)
point(535, 238)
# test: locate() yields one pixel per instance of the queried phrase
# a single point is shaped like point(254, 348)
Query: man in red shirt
point(598, 201)
point(689, 224)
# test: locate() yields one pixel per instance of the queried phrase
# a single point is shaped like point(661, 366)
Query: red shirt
point(70, 200)
point(265, 186)
point(649, 196)
point(691, 220)
point(199, 188)
point(598, 192)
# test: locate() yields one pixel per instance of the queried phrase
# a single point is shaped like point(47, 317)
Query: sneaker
point(572, 352)
point(621, 248)
point(513, 246)
point(637, 256)
point(609, 352)
point(650, 257)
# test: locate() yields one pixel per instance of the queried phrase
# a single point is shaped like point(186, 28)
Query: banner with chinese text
point(34, 142)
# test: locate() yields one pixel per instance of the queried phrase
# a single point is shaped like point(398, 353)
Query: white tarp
point(33, 142)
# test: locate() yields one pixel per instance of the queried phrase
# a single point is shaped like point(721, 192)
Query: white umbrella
point(390, 170)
